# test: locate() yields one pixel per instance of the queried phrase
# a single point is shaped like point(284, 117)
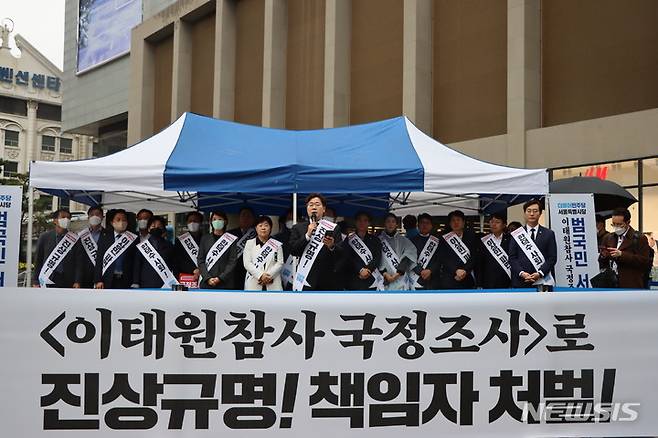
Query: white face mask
point(619, 230)
point(94, 221)
point(120, 227)
point(289, 225)
point(193, 227)
point(142, 224)
point(64, 222)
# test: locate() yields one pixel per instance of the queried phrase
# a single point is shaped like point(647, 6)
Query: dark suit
point(182, 260)
point(283, 236)
point(353, 263)
point(434, 264)
point(239, 273)
point(323, 273)
point(634, 261)
point(488, 272)
point(450, 262)
point(110, 279)
point(84, 270)
point(545, 241)
point(64, 275)
point(223, 268)
point(143, 274)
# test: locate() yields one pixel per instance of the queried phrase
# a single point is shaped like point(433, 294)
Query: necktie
point(532, 234)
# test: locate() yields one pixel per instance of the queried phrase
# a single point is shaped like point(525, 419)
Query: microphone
point(314, 217)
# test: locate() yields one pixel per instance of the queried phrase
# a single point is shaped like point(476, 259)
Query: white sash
point(153, 257)
point(426, 255)
point(218, 249)
point(458, 246)
point(311, 252)
point(119, 247)
point(365, 254)
point(288, 270)
point(391, 258)
point(533, 254)
point(56, 256)
point(89, 244)
point(498, 253)
point(250, 234)
point(191, 247)
point(267, 253)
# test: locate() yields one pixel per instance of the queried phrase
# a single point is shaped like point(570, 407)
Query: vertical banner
point(574, 224)
point(11, 198)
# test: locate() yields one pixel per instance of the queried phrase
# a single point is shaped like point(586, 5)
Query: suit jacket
point(488, 272)
point(634, 261)
point(434, 264)
point(143, 274)
point(273, 267)
point(182, 260)
point(450, 262)
point(84, 270)
point(353, 263)
point(239, 272)
point(545, 241)
point(224, 267)
point(323, 274)
point(45, 245)
point(284, 237)
point(105, 241)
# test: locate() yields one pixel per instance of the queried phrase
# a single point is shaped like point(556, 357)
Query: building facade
point(568, 85)
point(30, 111)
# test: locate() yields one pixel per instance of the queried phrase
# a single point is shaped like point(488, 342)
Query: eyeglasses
point(532, 210)
point(314, 204)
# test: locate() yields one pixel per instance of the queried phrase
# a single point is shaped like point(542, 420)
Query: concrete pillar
point(417, 63)
point(337, 37)
point(142, 89)
point(523, 75)
point(181, 95)
point(32, 147)
point(224, 79)
point(274, 63)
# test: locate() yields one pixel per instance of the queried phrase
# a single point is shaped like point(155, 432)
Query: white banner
point(11, 200)
point(572, 219)
point(203, 364)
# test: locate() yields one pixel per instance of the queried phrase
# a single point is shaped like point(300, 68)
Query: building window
point(48, 143)
point(65, 145)
point(11, 138)
point(46, 111)
point(64, 203)
point(10, 169)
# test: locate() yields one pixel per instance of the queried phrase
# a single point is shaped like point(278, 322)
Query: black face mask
point(156, 232)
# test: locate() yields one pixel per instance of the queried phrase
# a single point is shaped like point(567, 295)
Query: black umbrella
point(608, 195)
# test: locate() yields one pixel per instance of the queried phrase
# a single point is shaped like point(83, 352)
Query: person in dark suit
point(221, 274)
point(184, 264)
point(358, 274)
point(246, 223)
point(283, 236)
point(524, 273)
point(64, 274)
point(84, 270)
point(429, 277)
point(627, 252)
point(488, 273)
point(144, 275)
point(118, 275)
point(455, 273)
point(322, 274)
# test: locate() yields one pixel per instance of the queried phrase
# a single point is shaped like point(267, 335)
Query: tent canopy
point(201, 162)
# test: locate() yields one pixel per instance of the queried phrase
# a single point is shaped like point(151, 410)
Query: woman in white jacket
point(263, 259)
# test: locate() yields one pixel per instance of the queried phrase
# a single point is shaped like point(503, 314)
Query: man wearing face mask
point(55, 255)
point(154, 259)
point(116, 254)
point(218, 255)
point(317, 240)
point(143, 217)
point(626, 251)
point(186, 250)
point(87, 248)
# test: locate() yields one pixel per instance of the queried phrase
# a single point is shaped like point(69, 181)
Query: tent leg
point(481, 223)
point(294, 208)
point(28, 251)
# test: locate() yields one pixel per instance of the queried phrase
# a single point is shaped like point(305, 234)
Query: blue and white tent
point(201, 162)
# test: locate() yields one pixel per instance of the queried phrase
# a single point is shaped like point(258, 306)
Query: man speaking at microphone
point(315, 242)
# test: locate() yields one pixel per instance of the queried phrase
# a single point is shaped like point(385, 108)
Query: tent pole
point(294, 208)
point(481, 222)
point(28, 251)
